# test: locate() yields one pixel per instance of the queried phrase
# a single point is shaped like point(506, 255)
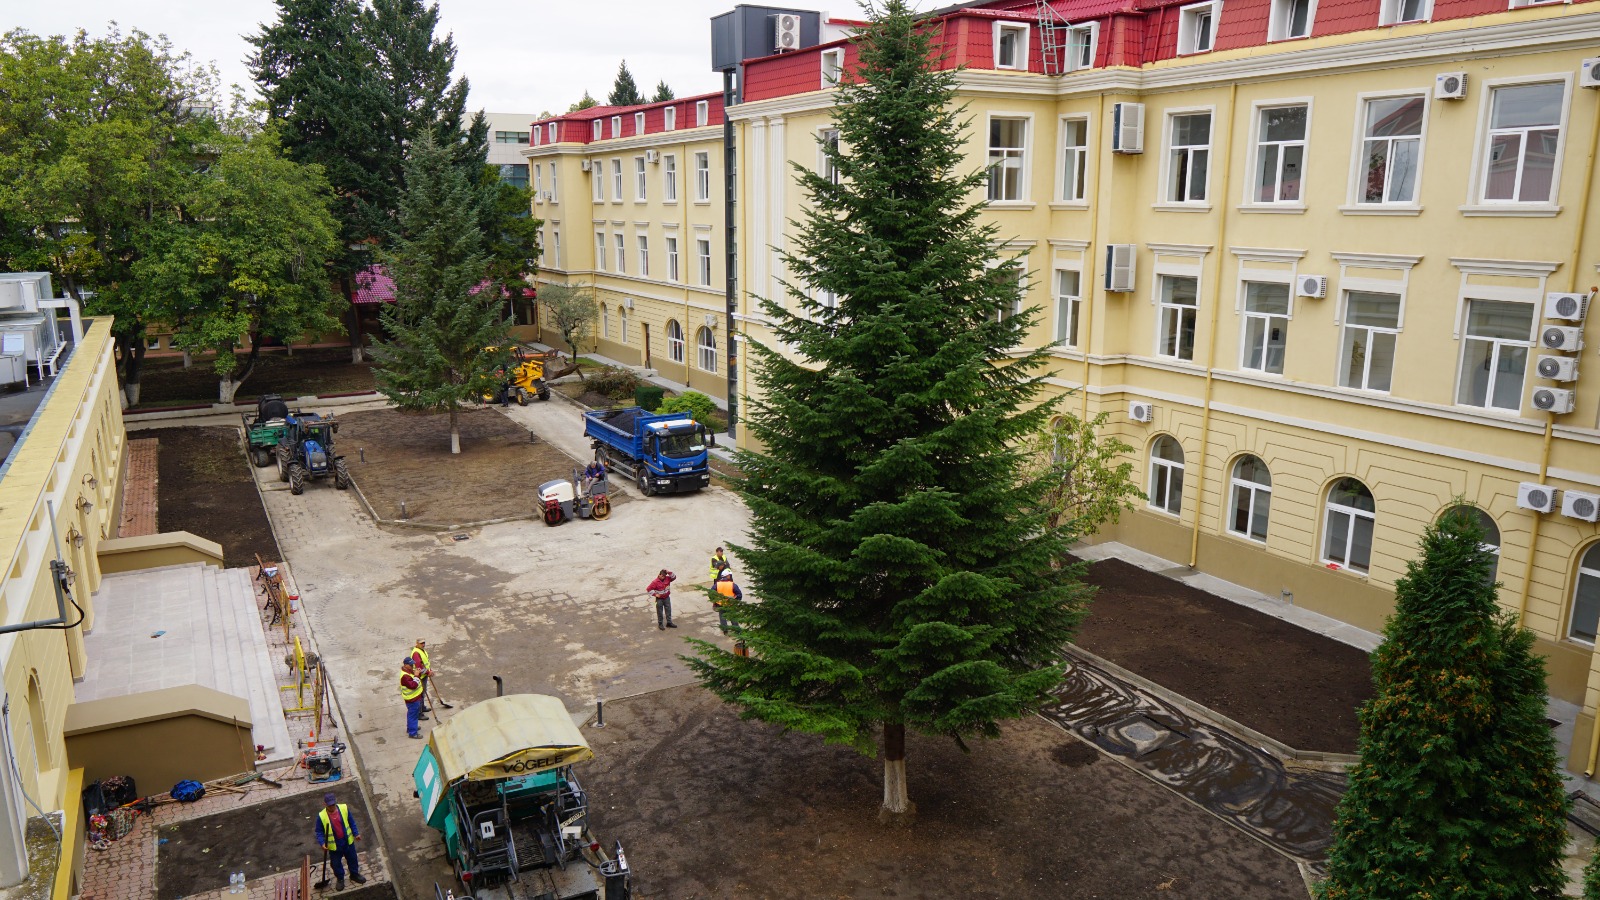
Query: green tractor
point(306, 452)
point(264, 432)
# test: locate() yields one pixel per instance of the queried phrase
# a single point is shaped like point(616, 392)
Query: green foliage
point(1458, 790)
point(624, 92)
point(618, 384)
point(441, 320)
point(648, 396)
point(510, 234)
point(572, 309)
point(586, 102)
point(1090, 478)
point(1591, 876)
point(702, 408)
point(907, 573)
point(663, 92)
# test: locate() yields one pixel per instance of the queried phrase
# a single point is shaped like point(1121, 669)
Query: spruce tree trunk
point(897, 806)
point(455, 433)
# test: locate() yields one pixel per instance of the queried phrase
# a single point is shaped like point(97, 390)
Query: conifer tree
point(1457, 793)
point(1591, 876)
point(907, 577)
point(624, 92)
point(585, 102)
point(663, 92)
point(443, 317)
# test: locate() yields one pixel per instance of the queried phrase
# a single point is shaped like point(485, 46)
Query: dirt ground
point(325, 370)
point(708, 806)
point(198, 854)
point(1295, 685)
point(496, 475)
point(206, 489)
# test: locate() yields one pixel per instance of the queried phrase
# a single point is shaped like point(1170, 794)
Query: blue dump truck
point(663, 453)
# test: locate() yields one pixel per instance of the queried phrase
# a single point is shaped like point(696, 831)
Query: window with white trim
point(622, 323)
point(600, 251)
point(1494, 354)
point(599, 129)
point(1399, 12)
point(550, 133)
point(702, 113)
point(702, 177)
point(1391, 149)
point(1280, 154)
point(832, 66)
point(605, 321)
point(1366, 348)
point(1166, 475)
point(674, 341)
point(706, 343)
point(702, 255)
point(1523, 142)
point(1081, 41)
point(1584, 622)
point(1521, 4)
point(1291, 19)
point(1010, 45)
point(1197, 27)
point(669, 178)
point(1351, 515)
point(644, 255)
point(597, 177)
point(1251, 502)
point(669, 118)
point(1485, 523)
point(535, 135)
point(538, 182)
point(1188, 156)
point(640, 191)
point(1266, 326)
point(1008, 139)
point(1178, 303)
point(828, 140)
point(555, 247)
point(622, 253)
point(616, 126)
point(616, 181)
point(555, 195)
point(1069, 306)
point(672, 259)
point(638, 123)
point(1074, 160)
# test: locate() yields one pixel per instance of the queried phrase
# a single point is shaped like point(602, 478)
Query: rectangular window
point(669, 118)
point(538, 182)
point(702, 251)
point(1179, 307)
point(616, 126)
point(1074, 159)
point(1069, 305)
point(639, 189)
point(1266, 326)
point(605, 322)
point(598, 129)
point(669, 178)
point(638, 123)
point(1010, 46)
point(1291, 19)
point(599, 251)
point(1197, 27)
point(616, 181)
point(622, 254)
point(832, 66)
point(1007, 146)
point(1081, 46)
point(510, 137)
point(550, 133)
point(555, 195)
point(672, 258)
point(1280, 154)
point(1396, 12)
point(1189, 155)
point(597, 177)
point(1366, 350)
point(702, 177)
point(1524, 136)
point(1494, 354)
point(1391, 150)
point(555, 247)
point(702, 113)
point(535, 135)
point(622, 324)
point(514, 174)
point(829, 150)
point(644, 255)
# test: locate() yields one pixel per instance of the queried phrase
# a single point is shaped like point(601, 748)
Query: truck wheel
point(645, 487)
point(341, 474)
point(297, 479)
point(283, 462)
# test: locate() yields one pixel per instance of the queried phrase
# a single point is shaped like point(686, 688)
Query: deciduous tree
point(1089, 476)
point(907, 573)
point(572, 309)
point(584, 102)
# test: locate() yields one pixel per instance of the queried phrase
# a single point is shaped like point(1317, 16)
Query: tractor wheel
point(544, 392)
point(283, 462)
point(260, 457)
point(645, 487)
point(522, 397)
point(341, 474)
point(601, 508)
point(297, 479)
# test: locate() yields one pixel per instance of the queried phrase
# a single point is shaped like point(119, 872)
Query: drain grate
point(1140, 735)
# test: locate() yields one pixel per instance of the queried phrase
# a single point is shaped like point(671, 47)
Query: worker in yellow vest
point(411, 693)
point(338, 833)
point(419, 663)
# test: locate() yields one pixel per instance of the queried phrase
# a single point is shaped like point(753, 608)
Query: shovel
point(436, 696)
point(323, 875)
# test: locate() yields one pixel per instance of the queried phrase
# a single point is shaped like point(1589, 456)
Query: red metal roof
point(373, 285)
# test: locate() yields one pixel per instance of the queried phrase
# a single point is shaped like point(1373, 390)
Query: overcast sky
point(519, 58)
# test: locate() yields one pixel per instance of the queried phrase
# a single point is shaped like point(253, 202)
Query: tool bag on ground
point(187, 791)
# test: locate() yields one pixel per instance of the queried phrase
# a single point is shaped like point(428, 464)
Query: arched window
point(1586, 598)
point(1347, 531)
point(605, 322)
point(707, 342)
point(37, 722)
point(1252, 498)
point(675, 340)
point(1166, 475)
point(1485, 522)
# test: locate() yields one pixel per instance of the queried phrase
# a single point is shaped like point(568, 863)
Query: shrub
point(648, 396)
point(696, 404)
point(618, 384)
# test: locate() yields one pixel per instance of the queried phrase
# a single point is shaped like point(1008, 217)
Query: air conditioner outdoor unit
point(627, 303)
point(1450, 86)
point(1554, 400)
point(1127, 127)
point(586, 165)
point(1558, 368)
point(1140, 411)
point(652, 156)
point(1589, 77)
point(787, 36)
point(1562, 337)
point(1120, 260)
point(1312, 285)
point(1578, 505)
point(1570, 307)
point(548, 196)
point(1535, 496)
point(711, 320)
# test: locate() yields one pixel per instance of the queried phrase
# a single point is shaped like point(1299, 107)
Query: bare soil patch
point(709, 806)
point(496, 475)
point(1295, 685)
point(207, 490)
point(324, 370)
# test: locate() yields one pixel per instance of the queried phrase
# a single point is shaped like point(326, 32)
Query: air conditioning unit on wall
point(652, 156)
point(1558, 368)
point(586, 165)
point(1127, 127)
point(711, 320)
point(1554, 400)
point(1568, 307)
point(786, 35)
point(1579, 505)
point(1562, 337)
point(1141, 411)
point(1589, 73)
point(1120, 264)
point(1450, 86)
point(1535, 496)
point(1311, 285)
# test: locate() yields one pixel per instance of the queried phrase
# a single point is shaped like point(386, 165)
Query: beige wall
point(140, 735)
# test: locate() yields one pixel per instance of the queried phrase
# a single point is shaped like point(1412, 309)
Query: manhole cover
point(1141, 735)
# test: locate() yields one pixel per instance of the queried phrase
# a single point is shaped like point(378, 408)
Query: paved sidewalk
point(139, 508)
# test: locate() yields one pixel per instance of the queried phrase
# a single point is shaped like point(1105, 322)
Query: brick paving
point(139, 509)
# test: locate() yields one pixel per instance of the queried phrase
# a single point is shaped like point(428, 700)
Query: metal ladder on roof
point(1053, 39)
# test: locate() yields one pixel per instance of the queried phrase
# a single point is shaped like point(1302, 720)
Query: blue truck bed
point(662, 452)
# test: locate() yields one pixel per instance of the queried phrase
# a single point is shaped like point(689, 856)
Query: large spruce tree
point(444, 316)
point(625, 92)
point(907, 577)
point(1458, 793)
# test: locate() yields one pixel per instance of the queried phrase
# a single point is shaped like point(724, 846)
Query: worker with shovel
point(411, 693)
point(337, 833)
point(419, 667)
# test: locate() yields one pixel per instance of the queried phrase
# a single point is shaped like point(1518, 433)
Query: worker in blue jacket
point(337, 834)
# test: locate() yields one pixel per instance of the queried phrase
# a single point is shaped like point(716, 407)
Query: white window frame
point(1252, 494)
point(1359, 155)
point(643, 241)
point(1073, 166)
point(672, 258)
point(1166, 500)
point(669, 178)
point(597, 173)
point(674, 341)
point(1018, 31)
point(1346, 341)
point(1021, 154)
point(536, 136)
point(825, 166)
point(605, 322)
point(622, 254)
point(832, 67)
point(622, 324)
point(1083, 45)
point(616, 180)
point(555, 246)
point(1498, 345)
point(641, 190)
point(1279, 20)
point(1259, 146)
point(1175, 311)
point(538, 183)
point(702, 257)
point(1481, 155)
point(1353, 514)
point(616, 126)
point(1583, 571)
point(599, 130)
point(669, 118)
point(599, 251)
point(702, 113)
point(1170, 150)
point(1189, 32)
point(550, 133)
point(555, 195)
point(1069, 308)
point(702, 177)
point(638, 123)
point(1249, 317)
point(1524, 4)
point(705, 344)
point(1392, 11)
